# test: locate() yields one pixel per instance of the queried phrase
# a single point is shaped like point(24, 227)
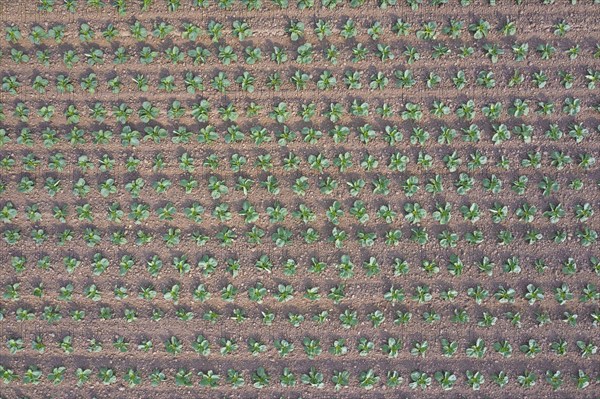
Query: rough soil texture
point(364, 294)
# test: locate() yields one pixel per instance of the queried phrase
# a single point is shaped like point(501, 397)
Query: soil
point(364, 294)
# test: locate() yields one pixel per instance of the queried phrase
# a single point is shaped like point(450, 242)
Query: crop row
point(283, 292)
point(339, 134)
point(313, 378)
point(427, 29)
point(462, 178)
point(378, 319)
point(412, 212)
point(282, 112)
point(346, 268)
point(336, 27)
point(305, 54)
point(123, 7)
point(225, 236)
point(399, 170)
point(338, 161)
point(277, 212)
point(325, 81)
point(457, 317)
point(391, 347)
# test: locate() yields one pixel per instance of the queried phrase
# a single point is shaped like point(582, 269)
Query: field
point(303, 199)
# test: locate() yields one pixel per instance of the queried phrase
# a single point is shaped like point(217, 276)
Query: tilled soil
point(433, 319)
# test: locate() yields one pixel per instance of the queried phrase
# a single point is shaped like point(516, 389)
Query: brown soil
point(363, 294)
